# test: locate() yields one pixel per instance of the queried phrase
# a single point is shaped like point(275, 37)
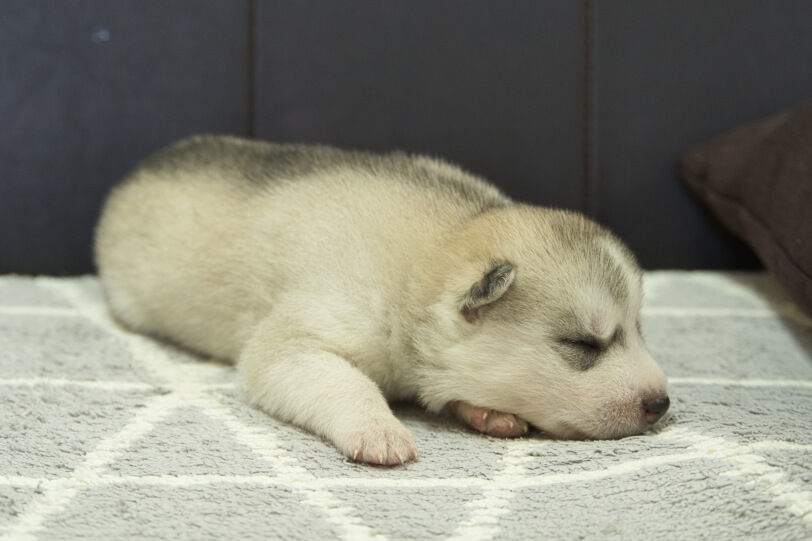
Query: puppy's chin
point(561, 431)
point(610, 429)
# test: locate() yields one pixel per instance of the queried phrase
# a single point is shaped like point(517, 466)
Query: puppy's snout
point(656, 408)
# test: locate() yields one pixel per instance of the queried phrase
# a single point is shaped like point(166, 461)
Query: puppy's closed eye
point(581, 352)
point(584, 344)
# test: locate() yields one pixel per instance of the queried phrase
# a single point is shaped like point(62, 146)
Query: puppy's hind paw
point(381, 444)
point(491, 422)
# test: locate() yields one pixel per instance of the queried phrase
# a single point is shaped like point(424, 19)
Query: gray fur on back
point(262, 164)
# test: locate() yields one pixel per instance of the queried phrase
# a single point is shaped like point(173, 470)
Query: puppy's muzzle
point(655, 408)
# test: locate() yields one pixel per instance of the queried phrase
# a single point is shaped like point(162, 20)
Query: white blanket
point(105, 434)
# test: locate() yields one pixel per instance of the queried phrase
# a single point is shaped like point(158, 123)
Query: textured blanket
point(105, 434)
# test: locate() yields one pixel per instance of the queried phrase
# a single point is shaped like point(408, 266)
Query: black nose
point(656, 408)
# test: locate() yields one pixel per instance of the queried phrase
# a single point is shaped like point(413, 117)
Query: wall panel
point(497, 89)
point(88, 88)
point(669, 75)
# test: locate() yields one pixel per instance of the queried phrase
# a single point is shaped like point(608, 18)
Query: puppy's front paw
point(490, 422)
point(385, 444)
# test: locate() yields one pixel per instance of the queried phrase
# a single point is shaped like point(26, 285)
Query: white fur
point(338, 287)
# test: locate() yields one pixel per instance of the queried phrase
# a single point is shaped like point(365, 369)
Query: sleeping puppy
point(338, 281)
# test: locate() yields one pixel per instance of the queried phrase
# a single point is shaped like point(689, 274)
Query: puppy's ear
point(490, 287)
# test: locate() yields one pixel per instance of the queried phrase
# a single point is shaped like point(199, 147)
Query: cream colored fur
point(341, 281)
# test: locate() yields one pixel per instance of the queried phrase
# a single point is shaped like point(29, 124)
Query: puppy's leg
point(303, 383)
point(491, 422)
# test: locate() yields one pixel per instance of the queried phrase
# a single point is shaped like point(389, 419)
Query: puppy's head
point(538, 315)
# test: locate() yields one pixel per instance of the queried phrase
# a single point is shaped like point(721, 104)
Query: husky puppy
point(338, 281)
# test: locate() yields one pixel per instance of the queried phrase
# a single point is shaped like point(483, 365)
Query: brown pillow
point(757, 179)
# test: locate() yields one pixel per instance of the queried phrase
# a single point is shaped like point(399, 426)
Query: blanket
point(107, 434)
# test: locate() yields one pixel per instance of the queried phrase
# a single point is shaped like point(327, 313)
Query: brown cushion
point(757, 179)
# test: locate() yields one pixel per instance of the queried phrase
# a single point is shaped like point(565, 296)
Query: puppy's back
point(198, 242)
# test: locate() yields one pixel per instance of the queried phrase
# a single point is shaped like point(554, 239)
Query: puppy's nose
point(655, 408)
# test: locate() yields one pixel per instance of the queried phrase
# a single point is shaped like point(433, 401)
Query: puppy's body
point(340, 280)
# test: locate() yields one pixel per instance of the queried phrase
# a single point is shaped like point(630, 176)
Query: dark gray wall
point(668, 75)
point(88, 88)
point(498, 90)
point(585, 105)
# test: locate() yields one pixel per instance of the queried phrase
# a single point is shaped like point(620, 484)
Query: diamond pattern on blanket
point(745, 414)
point(62, 347)
point(570, 457)
point(730, 347)
point(425, 512)
point(688, 500)
point(789, 458)
point(13, 501)
point(196, 512)
point(96, 449)
point(188, 443)
point(45, 431)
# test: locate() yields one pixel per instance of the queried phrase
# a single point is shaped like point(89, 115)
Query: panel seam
point(590, 201)
point(251, 68)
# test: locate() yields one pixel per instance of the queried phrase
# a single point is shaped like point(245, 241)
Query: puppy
point(338, 281)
